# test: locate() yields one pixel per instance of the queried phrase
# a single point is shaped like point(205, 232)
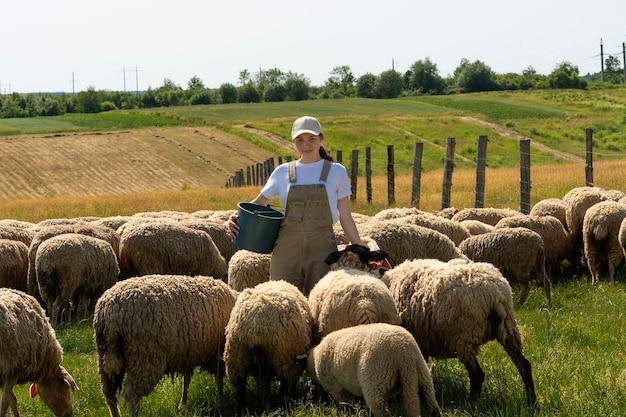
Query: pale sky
point(42, 42)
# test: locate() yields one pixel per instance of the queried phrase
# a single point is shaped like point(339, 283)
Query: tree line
point(272, 85)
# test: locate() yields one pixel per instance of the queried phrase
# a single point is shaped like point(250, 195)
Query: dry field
point(92, 164)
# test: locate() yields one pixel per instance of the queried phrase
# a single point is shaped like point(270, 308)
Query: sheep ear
point(333, 257)
point(33, 390)
point(67, 378)
point(377, 255)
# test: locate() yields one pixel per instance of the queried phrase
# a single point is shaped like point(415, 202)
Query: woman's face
point(308, 144)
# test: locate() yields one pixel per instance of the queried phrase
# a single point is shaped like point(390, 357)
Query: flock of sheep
point(172, 287)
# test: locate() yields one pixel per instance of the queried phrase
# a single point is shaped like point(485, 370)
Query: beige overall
point(306, 235)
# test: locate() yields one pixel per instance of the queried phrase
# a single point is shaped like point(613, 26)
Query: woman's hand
point(233, 227)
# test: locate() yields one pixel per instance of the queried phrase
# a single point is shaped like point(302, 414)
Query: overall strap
point(325, 170)
point(291, 169)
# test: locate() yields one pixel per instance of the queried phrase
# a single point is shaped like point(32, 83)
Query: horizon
point(215, 42)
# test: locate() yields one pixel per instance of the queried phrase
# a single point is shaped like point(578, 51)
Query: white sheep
point(13, 264)
point(475, 227)
point(374, 361)
point(601, 227)
point(248, 269)
point(454, 308)
point(554, 207)
point(487, 215)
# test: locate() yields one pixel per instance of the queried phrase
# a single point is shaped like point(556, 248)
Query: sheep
point(16, 223)
point(13, 264)
point(221, 216)
point(474, 227)
point(59, 222)
point(349, 297)
point(155, 325)
point(361, 258)
point(614, 195)
point(601, 227)
point(554, 207)
point(516, 252)
point(45, 233)
point(622, 200)
point(74, 268)
point(137, 221)
point(622, 237)
point(31, 353)
point(203, 214)
point(167, 214)
point(578, 201)
point(15, 233)
point(340, 236)
point(395, 213)
point(557, 243)
point(114, 222)
point(489, 216)
point(270, 325)
point(166, 248)
point(374, 361)
point(248, 269)
point(454, 308)
point(406, 241)
point(219, 232)
point(456, 232)
point(448, 213)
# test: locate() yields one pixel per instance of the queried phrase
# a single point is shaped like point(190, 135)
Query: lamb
point(74, 268)
point(349, 297)
point(601, 237)
point(406, 241)
point(31, 353)
point(15, 233)
point(516, 252)
point(167, 248)
point(45, 233)
point(269, 327)
point(13, 264)
point(248, 269)
point(155, 325)
point(374, 361)
point(219, 232)
point(578, 201)
point(454, 308)
point(474, 227)
point(489, 216)
point(554, 207)
point(557, 243)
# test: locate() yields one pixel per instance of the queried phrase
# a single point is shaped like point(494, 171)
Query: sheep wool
point(601, 227)
point(448, 213)
point(404, 241)
point(13, 264)
point(113, 223)
point(456, 232)
point(270, 325)
point(74, 268)
point(474, 227)
point(578, 201)
point(517, 252)
point(349, 297)
point(151, 326)
point(372, 361)
point(31, 353)
point(248, 269)
point(454, 308)
point(169, 248)
point(15, 233)
point(219, 232)
point(16, 223)
point(488, 215)
point(554, 207)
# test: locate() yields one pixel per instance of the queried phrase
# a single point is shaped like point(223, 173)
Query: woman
point(315, 192)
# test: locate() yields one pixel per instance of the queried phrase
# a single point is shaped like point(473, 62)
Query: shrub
point(388, 84)
point(366, 86)
point(228, 92)
point(107, 106)
point(248, 94)
point(565, 75)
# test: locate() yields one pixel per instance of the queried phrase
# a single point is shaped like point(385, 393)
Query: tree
point(244, 77)
point(388, 84)
point(228, 93)
point(341, 80)
point(424, 77)
point(297, 86)
point(200, 96)
point(275, 92)
point(565, 75)
point(612, 69)
point(249, 94)
point(366, 86)
point(475, 76)
point(195, 83)
point(88, 101)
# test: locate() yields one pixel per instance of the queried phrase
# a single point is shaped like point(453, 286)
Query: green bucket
point(258, 227)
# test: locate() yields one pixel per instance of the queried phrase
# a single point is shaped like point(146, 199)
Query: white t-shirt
point(337, 183)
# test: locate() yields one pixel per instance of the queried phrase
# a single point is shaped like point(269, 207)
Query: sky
point(43, 42)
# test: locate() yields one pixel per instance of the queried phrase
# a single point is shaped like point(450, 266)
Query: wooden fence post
point(339, 157)
point(259, 175)
point(481, 162)
point(417, 174)
point(354, 171)
point(242, 180)
point(368, 174)
point(271, 165)
point(589, 157)
point(447, 173)
point(524, 151)
point(248, 176)
point(391, 185)
point(280, 160)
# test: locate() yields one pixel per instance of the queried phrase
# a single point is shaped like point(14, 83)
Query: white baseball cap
point(305, 124)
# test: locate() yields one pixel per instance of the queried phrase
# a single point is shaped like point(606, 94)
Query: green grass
point(576, 347)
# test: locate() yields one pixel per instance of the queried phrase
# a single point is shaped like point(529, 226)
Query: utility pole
point(624, 59)
point(393, 65)
point(73, 81)
point(601, 61)
point(136, 80)
point(124, 72)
